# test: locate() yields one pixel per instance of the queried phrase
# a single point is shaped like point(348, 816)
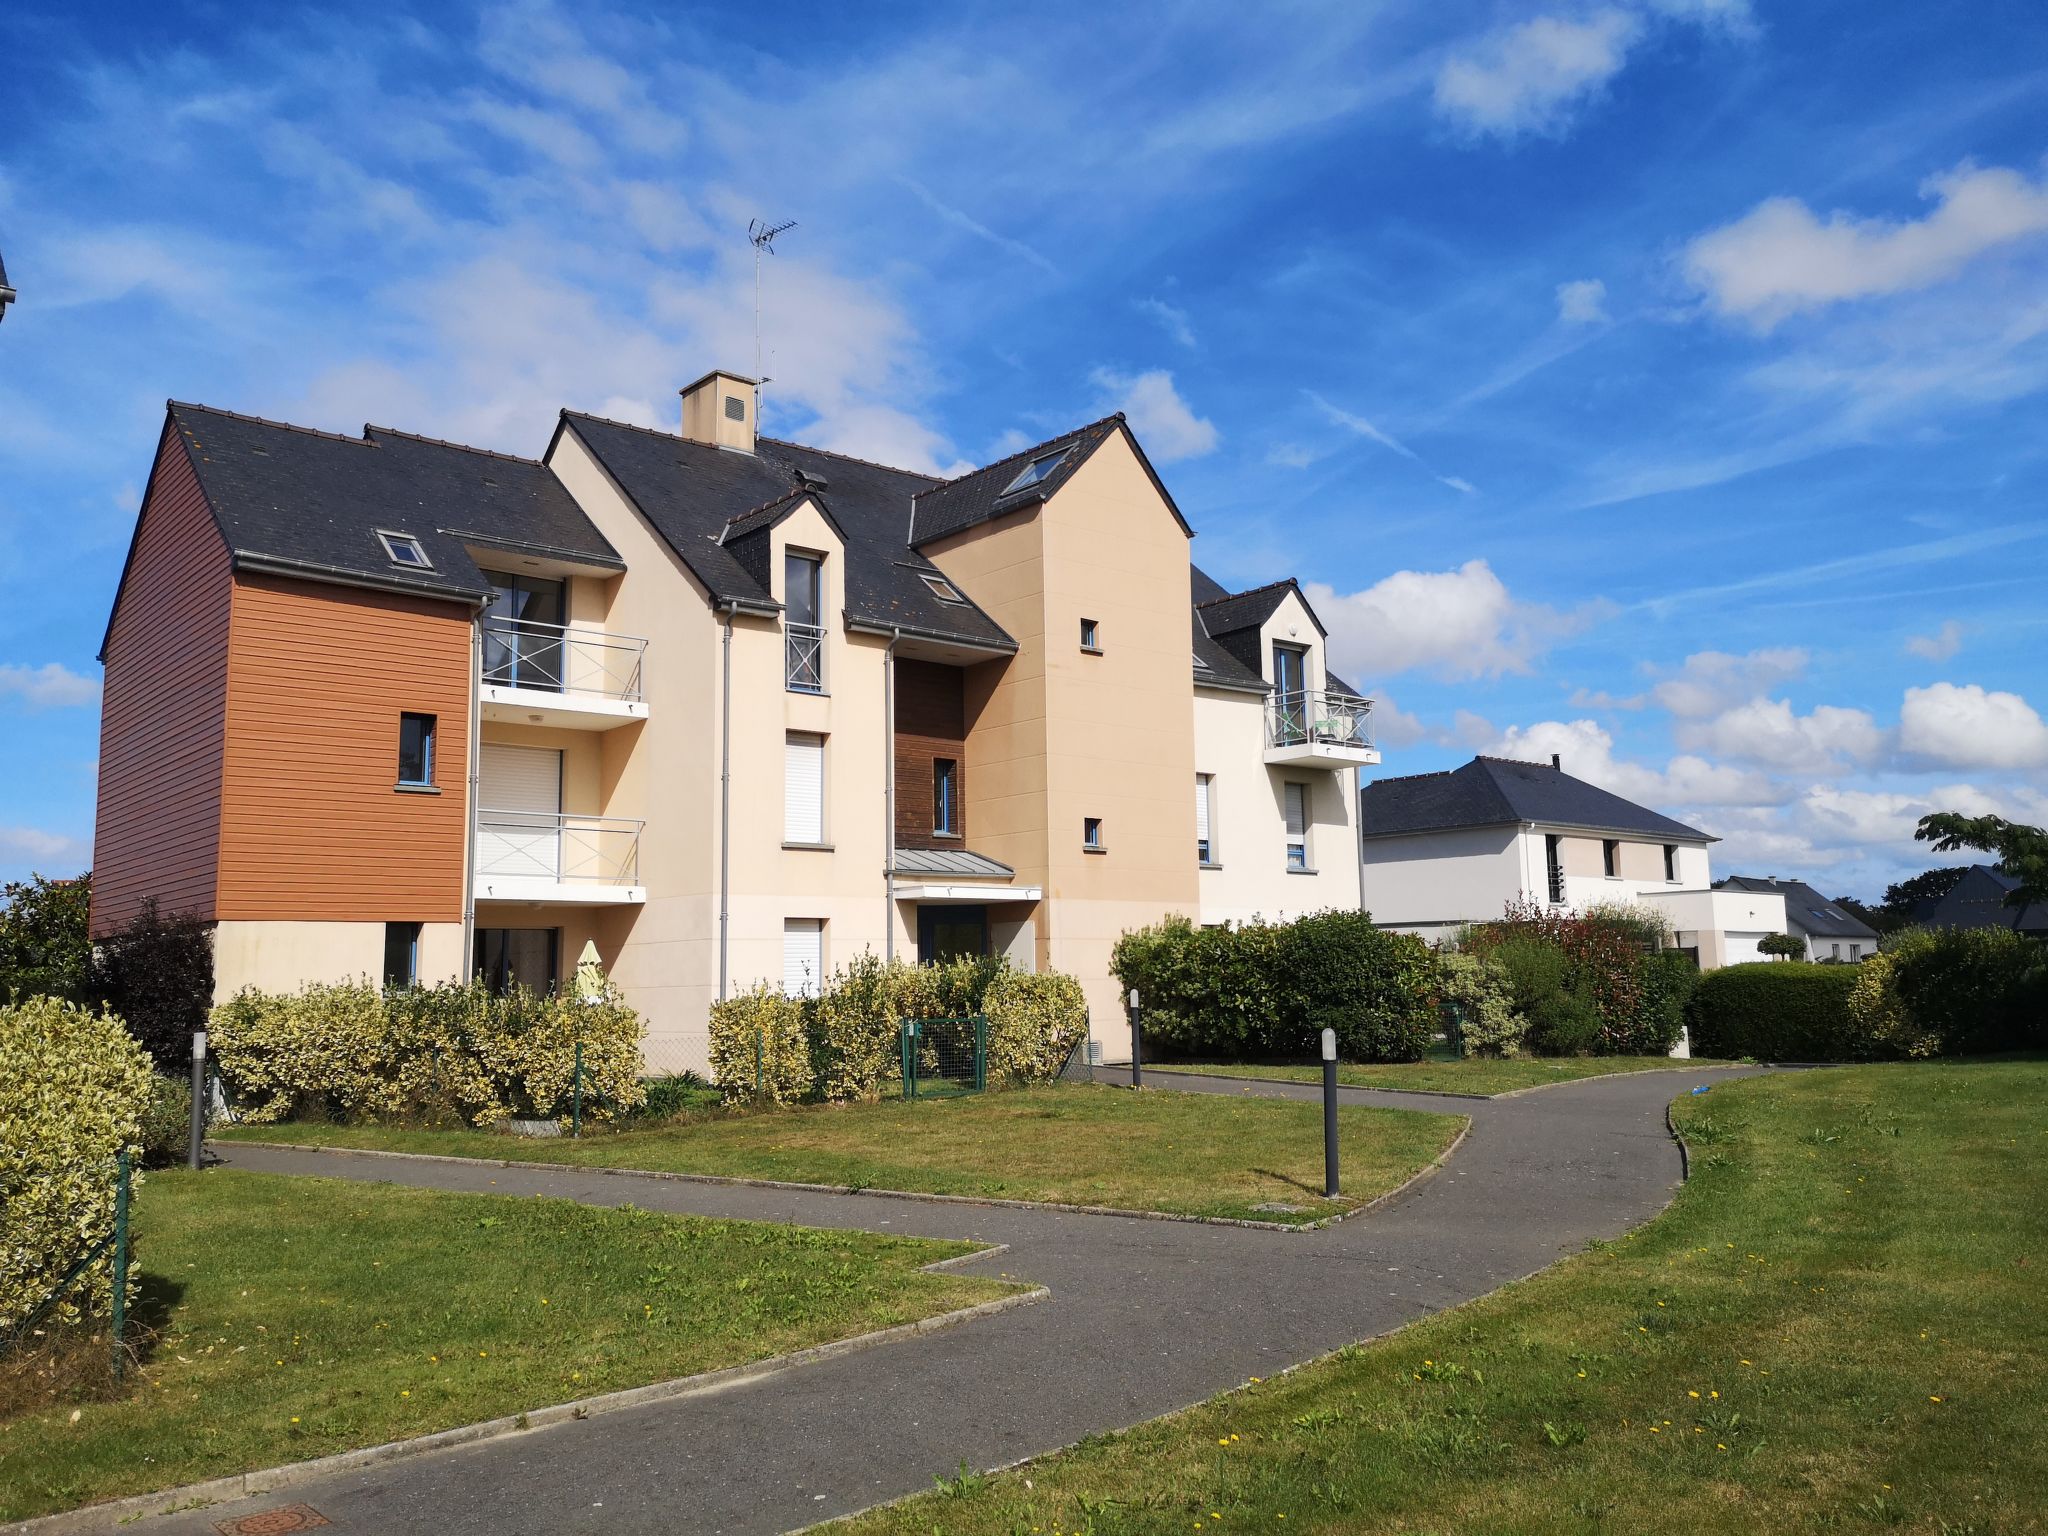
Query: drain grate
point(275, 1522)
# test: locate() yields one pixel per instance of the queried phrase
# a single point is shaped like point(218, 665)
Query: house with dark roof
point(729, 709)
point(1832, 933)
point(1440, 850)
point(1982, 899)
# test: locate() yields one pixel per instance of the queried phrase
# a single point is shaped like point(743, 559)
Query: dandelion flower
point(1934, 1399)
point(1692, 1394)
point(295, 1418)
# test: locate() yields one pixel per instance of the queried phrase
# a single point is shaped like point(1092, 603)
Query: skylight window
point(404, 549)
point(1038, 469)
point(943, 589)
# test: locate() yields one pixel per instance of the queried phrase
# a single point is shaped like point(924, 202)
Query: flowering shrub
point(1601, 993)
point(350, 1051)
point(74, 1087)
point(1487, 1022)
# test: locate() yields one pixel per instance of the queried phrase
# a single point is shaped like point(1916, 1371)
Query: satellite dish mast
point(762, 234)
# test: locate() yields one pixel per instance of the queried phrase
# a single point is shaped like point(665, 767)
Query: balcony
point(803, 656)
point(562, 860)
point(1318, 729)
point(549, 674)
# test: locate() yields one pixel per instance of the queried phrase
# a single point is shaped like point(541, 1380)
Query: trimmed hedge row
point(74, 1090)
point(1270, 989)
point(842, 1045)
point(1779, 1011)
point(353, 1051)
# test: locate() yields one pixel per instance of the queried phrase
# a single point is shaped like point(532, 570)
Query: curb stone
point(116, 1512)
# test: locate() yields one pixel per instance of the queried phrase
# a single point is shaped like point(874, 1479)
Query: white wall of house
point(1432, 883)
point(1249, 875)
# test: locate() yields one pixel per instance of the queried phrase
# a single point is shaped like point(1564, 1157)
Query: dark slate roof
point(1978, 901)
point(1206, 588)
point(950, 861)
point(1498, 791)
point(985, 494)
point(695, 495)
point(1236, 611)
point(1805, 907)
point(293, 499)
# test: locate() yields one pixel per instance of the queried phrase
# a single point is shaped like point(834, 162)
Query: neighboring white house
point(1831, 933)
point(1439, 850)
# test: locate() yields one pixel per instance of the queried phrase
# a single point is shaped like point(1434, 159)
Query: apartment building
point(730, 708)
point(1441, 850)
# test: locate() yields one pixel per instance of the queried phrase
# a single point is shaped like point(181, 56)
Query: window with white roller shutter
point(803, 788)
point(519, 811)
point(803, 955)
point(1205, 795)
point(1297, 825)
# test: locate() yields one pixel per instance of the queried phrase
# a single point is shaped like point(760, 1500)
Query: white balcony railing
point(538, 848)
point(553, 658)
point(1316, 717)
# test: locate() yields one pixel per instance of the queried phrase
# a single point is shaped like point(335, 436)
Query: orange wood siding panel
point(312, 827)
point(930, 723)
point(158, 820)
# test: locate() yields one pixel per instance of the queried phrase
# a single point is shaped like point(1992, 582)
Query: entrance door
point(950, 933)
point(519, 812)
point(1290, 692)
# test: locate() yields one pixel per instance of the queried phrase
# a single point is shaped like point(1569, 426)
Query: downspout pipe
point(724, 798)
point(889, 798)
point(467, 960)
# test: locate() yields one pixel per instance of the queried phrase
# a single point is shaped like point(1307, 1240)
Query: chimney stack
point(1557, 762)
point(719, 409)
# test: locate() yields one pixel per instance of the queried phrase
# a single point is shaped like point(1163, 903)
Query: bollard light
point(1329, 1045)
point(1329, 1114)
point(195, 1148)
point(1137, 1044)
point(198, 1045)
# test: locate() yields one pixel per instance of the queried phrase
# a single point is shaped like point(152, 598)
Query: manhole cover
point(275, 1522)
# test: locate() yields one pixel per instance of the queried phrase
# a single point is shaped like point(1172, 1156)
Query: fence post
point(576, 1100)
point(198, 1137)
point(981, 1053)
point(120, 1260)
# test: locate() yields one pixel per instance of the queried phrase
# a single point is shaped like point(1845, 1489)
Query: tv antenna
point(762, 234)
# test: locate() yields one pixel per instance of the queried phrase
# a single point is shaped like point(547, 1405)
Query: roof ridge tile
point(175, 406)
point(443, 442)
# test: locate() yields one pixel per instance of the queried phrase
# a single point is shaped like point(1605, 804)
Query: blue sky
point(1657, 382)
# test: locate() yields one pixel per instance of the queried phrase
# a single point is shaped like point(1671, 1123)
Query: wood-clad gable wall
point(161, 715)
point(313, 824)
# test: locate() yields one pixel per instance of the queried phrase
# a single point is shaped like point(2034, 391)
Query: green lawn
point(305, 1316)
point(1189, 1154)
point(1440, 1072)
point(1842, 1325)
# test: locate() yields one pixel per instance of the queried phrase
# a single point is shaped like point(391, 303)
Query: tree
point(1904, 899)
point(157, 974)
point(2022, 850)
point(1878, 918)
point(1789, 945)
point(45, 948)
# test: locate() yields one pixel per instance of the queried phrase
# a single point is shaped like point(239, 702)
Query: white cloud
point(1769, 732)
point(1779, 259)
point(1524, 78)
point(1169, 319)
point(1708, 682)
point(1968, 727)
point(1940, 645)
point(50, 686)
point(1585, 750)
point(1394, 727)
point(1453, 624)
point(50, 853)
point(1583, 302)
point(1163, 421)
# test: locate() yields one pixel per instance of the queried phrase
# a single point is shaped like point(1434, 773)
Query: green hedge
point(74, 1090)
point(1780, 1011)
point(1270, 989)
point(354, 1052)
point(842, 1045)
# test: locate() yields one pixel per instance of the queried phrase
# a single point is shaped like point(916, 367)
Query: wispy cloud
point(1165, 423)
point(975, 227)
point(50, 686)
point(1940, 645)
point(1171, 320)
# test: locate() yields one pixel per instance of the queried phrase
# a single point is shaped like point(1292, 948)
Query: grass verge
point(1449, 1074)
point(1842, 1324)
point(297, 1317)
point(1188, 1154)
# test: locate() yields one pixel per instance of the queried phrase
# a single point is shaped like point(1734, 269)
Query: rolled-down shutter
point(1201, 807)
point(803, 789)
point(1297, 813)
point(803, 955)
point(519, 804)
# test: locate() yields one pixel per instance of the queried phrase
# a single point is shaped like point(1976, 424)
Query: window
point(1297, 825)
point(1290, 694)
point(1091, 636)
point(1553, 865)
point(1855, 951)
point(1671, 862)
point(803, 604)
point(416, 750)
point(517, 957)
point(803, 955)
point(735, 408)
point(1091, 833)
point(1205, 795)
point(404, 549)
point(1837, 952)
point(803, 788)
point(1037, 470)
point(401, 954)
point(523, 632)
point(945, 797)
point(1610, 857)
point(943, 589)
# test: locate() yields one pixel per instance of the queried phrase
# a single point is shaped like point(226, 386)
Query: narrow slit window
point(416, 750)
point(945, 797)
point(1671, 862)
point(1297, 826)
point(1205, 797)
point(1610, 857)
point(1091, 833)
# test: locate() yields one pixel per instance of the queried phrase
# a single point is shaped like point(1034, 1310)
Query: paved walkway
point(1145, 1317)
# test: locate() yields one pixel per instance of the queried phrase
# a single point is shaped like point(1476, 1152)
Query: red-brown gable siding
point(931, 723)
point(312, 827)
point(161, 719)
